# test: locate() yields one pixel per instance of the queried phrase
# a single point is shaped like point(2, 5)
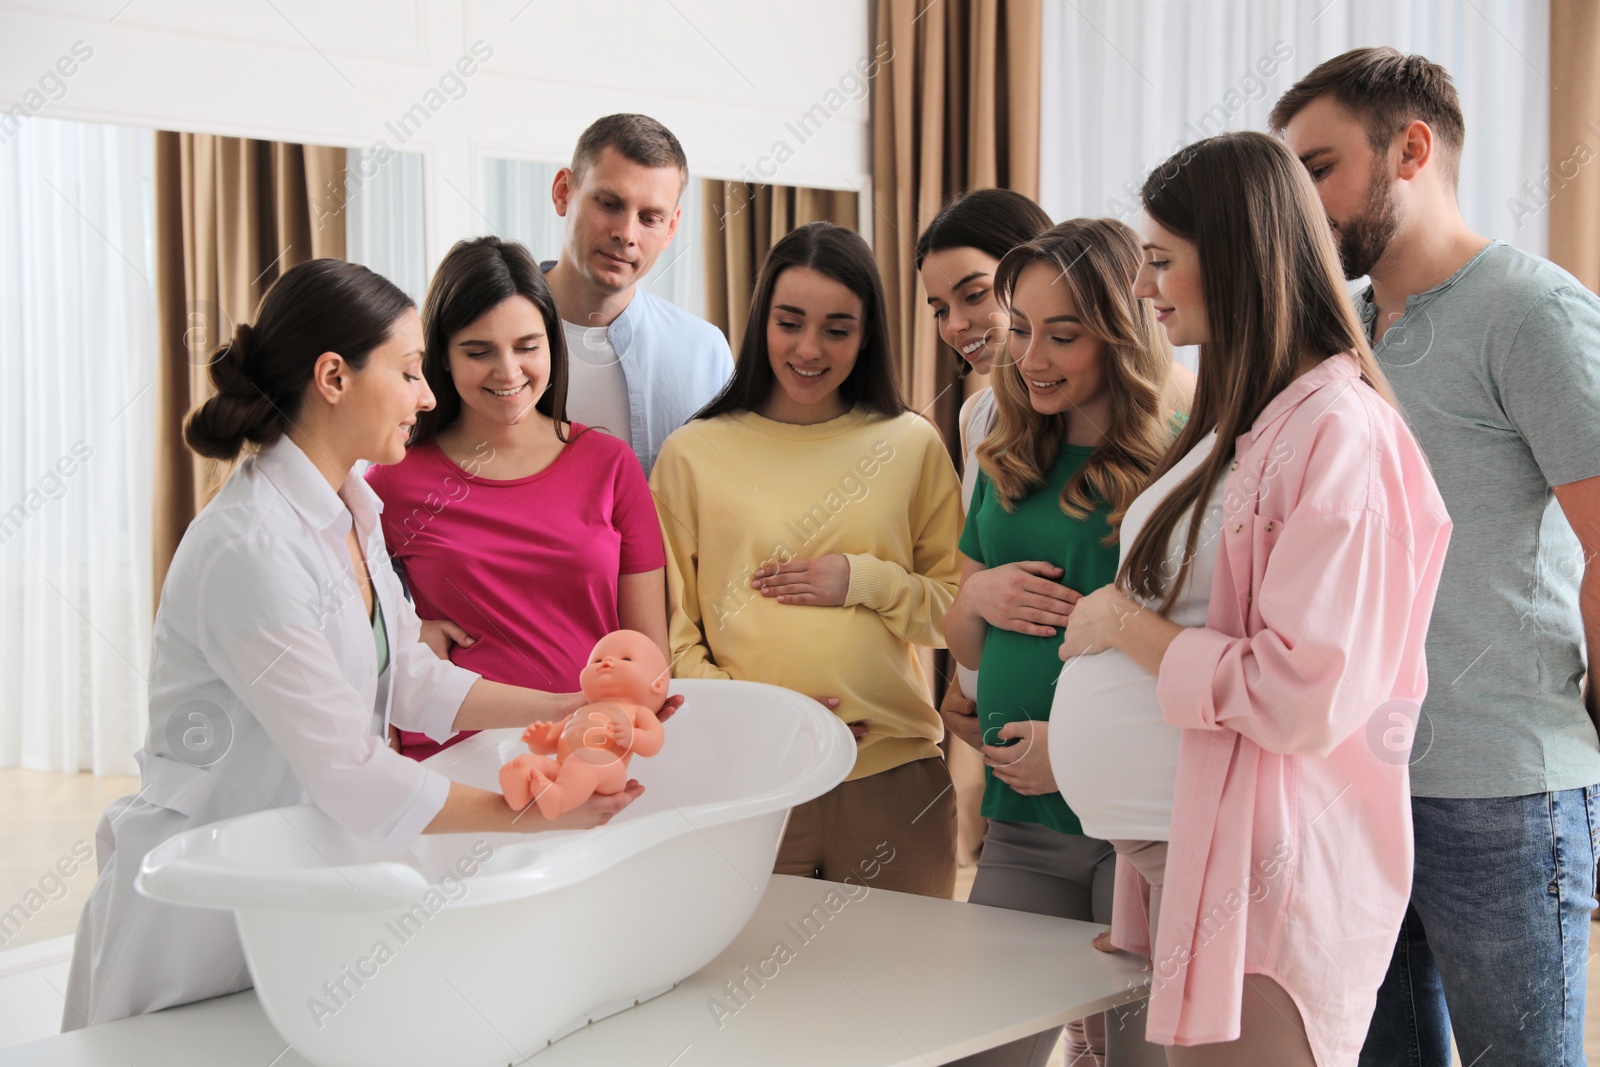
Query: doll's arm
point(647, 732)
point(541, 737)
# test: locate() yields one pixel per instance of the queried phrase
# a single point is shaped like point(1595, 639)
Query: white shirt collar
point(293, 474)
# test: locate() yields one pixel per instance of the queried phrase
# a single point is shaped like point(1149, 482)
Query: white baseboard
point(33, 980)
point(32, 957)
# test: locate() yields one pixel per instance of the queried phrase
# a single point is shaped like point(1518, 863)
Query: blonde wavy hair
point(1096, 259)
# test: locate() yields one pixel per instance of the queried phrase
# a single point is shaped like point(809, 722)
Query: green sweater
point(1017, 675)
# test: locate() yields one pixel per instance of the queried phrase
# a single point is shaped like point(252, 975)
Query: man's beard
point(1364, 238)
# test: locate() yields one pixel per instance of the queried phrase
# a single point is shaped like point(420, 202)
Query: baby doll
point(626, 684)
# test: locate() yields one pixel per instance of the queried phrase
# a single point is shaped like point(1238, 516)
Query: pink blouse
point(1291, 831)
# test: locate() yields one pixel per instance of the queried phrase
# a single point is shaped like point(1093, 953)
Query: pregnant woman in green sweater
point(1084, 409)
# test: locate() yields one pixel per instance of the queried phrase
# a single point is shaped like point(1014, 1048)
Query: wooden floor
point(47, 821)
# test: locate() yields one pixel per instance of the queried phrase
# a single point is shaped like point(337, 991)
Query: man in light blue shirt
point(638, 367)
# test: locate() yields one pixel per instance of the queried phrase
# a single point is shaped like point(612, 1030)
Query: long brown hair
point(1275, 297)
point(474, 278)
point(843, 256)
point(1096, 259)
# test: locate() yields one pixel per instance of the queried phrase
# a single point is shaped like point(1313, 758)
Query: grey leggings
point(1271, 1030)
point(1032, 868)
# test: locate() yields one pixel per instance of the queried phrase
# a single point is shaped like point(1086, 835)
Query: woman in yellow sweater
point(811, 524)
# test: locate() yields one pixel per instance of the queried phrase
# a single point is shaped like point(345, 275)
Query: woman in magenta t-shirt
point(523, 537)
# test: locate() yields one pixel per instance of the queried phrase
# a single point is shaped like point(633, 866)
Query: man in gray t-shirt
point(1494, 355)
point(1498, 369)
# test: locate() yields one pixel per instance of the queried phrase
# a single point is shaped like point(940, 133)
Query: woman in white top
point(957, 255)
point(284, 646)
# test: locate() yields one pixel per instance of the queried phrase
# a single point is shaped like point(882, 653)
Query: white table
point(890, 980)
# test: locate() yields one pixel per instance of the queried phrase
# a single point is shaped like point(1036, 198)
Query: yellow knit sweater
point(739, 491)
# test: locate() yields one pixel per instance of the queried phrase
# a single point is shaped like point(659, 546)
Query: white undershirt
point(597, 390)
point(1115, 758)
point(978, 416)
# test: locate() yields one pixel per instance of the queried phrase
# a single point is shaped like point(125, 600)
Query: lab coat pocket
point(171, 784)
point(105, 836)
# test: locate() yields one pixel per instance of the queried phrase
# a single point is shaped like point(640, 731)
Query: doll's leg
point(525, 777)
point(578, 780)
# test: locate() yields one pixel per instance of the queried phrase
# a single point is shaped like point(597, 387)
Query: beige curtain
point(231, 216)
point(741, 224)
point(1575, 138)
point(956, 108)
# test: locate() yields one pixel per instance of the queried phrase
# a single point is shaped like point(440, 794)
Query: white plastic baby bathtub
point(480, 949)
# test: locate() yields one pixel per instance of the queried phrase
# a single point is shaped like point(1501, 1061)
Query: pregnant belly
point(1115, 758)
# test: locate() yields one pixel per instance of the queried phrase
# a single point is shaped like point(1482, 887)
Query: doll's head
point(627, 666)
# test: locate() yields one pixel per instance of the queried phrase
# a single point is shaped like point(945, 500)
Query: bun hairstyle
point(261, 374)
point(238, 412)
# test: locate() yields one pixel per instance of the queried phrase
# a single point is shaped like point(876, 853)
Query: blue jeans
point(1496, 940)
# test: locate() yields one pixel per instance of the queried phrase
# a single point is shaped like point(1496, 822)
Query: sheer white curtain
point(77, 351)
point(1127, 82)
point(517, 205)
point(384, 222)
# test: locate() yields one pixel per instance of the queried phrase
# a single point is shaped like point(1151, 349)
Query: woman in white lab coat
point(284, 646)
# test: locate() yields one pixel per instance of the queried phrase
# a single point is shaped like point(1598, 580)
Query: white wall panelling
point(731, 81)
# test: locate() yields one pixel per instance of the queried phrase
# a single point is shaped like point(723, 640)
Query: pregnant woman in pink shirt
point(1274, 593)
point(524, 537)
